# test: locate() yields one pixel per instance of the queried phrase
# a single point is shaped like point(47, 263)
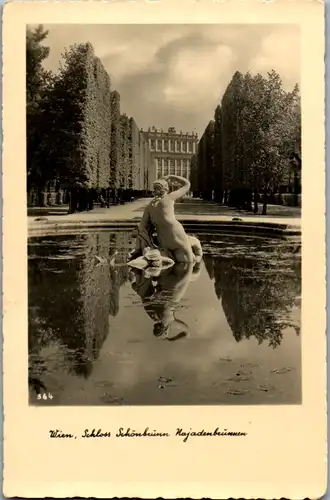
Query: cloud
point(175, 75)
point(280, 51)
point(193, 72)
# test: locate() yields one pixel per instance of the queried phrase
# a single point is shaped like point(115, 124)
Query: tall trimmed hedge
point(92, 146)
point(77, 120)
point(125, 174)
point(217, 155)
point(77, 136)
point(249, 146)
point(115, 179)
point(205, 175)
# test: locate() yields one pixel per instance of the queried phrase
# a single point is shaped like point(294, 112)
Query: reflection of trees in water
point(118, 275)
point(208, 261)
point(258, 288)
point(71, 296)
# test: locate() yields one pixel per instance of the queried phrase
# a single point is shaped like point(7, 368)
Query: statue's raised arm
point(185, 186)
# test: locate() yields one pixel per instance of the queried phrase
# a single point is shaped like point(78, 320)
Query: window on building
point(166, 170)
point(184, 146)
point(184, 172)
point(159, 172)
point(171, 143)
point(165, 162)
point(159, 144)
point(152, 144)
point(189, 146)
point(184, 163)
point(177, 145)
point(172, 167)
point(165, 145)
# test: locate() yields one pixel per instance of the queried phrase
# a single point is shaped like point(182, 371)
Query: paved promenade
point(188, 210)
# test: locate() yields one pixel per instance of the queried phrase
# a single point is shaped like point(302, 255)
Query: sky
point(175, 75)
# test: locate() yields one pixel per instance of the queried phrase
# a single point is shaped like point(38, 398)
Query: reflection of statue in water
point(161, 296)
point(159, 218)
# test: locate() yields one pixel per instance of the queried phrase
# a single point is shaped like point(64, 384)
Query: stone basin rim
point(136, 220)
point(248, 228)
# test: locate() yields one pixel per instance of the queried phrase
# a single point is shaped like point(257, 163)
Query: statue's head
point(160, 329)
point(160, 187)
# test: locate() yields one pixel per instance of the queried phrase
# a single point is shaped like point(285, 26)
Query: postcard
point(164, 249)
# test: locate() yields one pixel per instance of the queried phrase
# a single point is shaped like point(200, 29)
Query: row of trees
point(76, 136)
point(253, 144)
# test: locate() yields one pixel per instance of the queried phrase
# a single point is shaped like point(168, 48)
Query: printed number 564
point(45, 396)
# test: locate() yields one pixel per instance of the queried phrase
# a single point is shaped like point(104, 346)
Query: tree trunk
point(218, 196)
point(255, 201)
point(73, 201)
point(264, 204)
point(295, 197)
point(90, 195)
point(249, 200)
point(42, 195)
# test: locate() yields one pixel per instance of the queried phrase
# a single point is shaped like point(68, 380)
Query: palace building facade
point(172, 152)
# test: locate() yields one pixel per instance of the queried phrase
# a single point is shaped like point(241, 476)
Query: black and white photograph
point(164, 256)
point(163, 181)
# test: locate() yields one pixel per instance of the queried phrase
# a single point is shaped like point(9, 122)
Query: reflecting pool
point(224, 332)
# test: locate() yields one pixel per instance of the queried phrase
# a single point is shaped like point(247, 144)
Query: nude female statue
point(159, 217)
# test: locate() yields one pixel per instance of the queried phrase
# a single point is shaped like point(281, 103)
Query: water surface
point(97, 335)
